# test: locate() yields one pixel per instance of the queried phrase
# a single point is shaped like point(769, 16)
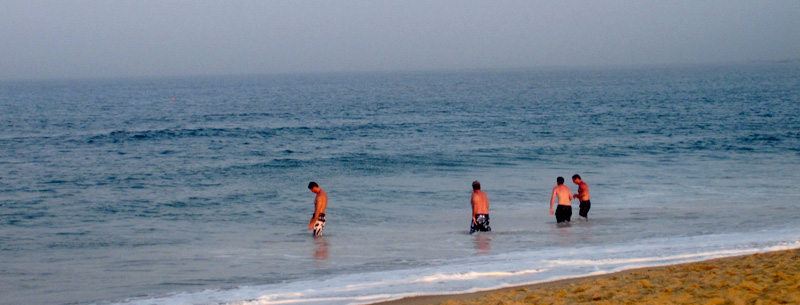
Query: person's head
point(313, 186)
point(476, 185)
point(576, 178)
point(560, 180)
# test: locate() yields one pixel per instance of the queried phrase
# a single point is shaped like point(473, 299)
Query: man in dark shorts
point(320, 203)
point(564, 210)
point(583, 196)
point(480, 209)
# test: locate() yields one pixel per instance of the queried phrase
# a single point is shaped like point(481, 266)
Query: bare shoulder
point(322, 196)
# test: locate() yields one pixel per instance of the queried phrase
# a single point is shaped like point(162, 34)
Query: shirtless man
point(480, 209)
point(320, 203)
point(564, 209)
point(583, 196)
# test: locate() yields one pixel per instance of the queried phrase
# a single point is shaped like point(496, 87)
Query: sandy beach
point(764, 278)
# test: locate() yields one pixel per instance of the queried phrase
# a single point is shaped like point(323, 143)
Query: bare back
point(563, 193)
point(583, 192)
point(480, 203)
point(320, 202)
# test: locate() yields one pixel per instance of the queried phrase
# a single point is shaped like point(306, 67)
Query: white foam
point(681, 257)
point(491, 272)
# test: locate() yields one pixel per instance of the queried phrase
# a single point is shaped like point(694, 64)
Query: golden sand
point(766, 278)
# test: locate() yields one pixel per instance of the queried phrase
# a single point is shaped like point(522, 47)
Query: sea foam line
point(603, 262)
point(378, 286)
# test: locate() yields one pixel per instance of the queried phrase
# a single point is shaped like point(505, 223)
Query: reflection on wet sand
point(321, 248)
point(564, 234)
point(483, 243)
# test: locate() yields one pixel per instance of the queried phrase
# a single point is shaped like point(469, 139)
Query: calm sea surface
point(193, 191)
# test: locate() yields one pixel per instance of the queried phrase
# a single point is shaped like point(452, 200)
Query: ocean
point(194, 190)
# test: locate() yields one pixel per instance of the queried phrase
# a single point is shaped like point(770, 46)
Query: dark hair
point(560, 180)
point(576, 176)
point(476, 185)
point(312, 185)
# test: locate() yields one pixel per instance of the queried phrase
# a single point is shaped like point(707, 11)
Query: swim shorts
point(483, 223)
point(319, 224)
point(563, 213)
point(585, 206)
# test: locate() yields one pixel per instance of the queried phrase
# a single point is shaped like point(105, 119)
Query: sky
point(142, 38)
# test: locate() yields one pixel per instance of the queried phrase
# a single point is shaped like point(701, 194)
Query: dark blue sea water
point(193, 191)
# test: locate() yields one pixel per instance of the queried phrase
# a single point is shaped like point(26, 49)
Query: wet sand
point(764, 278)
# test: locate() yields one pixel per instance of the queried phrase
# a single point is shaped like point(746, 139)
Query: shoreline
point(770, 277)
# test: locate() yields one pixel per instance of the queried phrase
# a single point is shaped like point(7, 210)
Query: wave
point(170, 133)
point(491, 272)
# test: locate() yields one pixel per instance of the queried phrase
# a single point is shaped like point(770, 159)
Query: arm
point(319, 205)
point(472, 202)
point(552, 199)
point(313, 219)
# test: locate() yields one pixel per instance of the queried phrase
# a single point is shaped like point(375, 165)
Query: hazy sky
point(111, 38)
